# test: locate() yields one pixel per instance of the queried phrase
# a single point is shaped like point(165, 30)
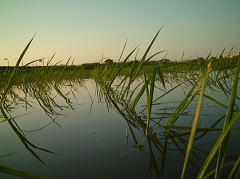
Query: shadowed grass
point(229, 114)
point(19, 173)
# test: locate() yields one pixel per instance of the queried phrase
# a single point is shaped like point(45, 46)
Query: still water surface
point(90, 139)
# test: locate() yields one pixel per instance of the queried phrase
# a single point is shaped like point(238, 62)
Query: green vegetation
point(135, 89)
point(123, 85)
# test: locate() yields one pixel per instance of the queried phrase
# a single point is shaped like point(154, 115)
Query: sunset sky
point(90, 29)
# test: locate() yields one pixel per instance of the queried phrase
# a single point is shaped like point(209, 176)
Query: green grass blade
point(218, 144)
point(4, 120)
point(139, 95)
point(31, 62)
point(125, 44)
point(68, 61)
point(149, 95)
point(215, 101)
point(166, 93)
point(49, 61)
point(10, 80)
point(19, 173)
point(155, 54)
point(150, 45)
point(121, 67)
point(160, 74)
point(195, 124)
point(234, 168)
point(213, 171)
point(230, 110)
point(183, 105)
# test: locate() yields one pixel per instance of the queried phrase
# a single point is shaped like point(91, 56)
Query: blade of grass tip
point(230, 110)
point(68, 61)
point(209, 55)
point(119, 70)
point(150, 45)
point(230, 51)
point(155, 55)
point(195, 122)
point(6, 89)
point(31, 62)
point(49, 61)
point(125, 44)
point(18, 173)
point(234, 168)
point(57, 63)
point(141, 65)
point(223, 51)
point(135, 58)
point(165, 55)
point(218, 143)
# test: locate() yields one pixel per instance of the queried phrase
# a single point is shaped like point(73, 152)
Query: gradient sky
point(88, 29)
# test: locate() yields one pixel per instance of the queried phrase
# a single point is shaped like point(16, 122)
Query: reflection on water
point(64, 130)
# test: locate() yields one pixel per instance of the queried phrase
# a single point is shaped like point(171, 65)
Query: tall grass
point(8, 118)
point(35, 84)
point(138, 81)
point(135, 89)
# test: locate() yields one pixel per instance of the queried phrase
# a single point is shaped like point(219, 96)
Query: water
point(90, 140)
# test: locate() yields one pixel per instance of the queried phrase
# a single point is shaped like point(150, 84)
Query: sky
point(88, 30)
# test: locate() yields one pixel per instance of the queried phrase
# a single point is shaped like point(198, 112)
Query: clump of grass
point(35, 83)
point(124, 86)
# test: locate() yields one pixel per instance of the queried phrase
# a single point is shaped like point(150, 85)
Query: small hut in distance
point(164, 60)
point(108, 61)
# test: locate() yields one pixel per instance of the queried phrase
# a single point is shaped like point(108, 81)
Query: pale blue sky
point(87, 29)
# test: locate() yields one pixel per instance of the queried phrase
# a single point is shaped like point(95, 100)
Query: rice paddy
point(180, 117)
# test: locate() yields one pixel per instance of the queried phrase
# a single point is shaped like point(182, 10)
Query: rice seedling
point(33, 87)
point(126, 95)
point(137, 90)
